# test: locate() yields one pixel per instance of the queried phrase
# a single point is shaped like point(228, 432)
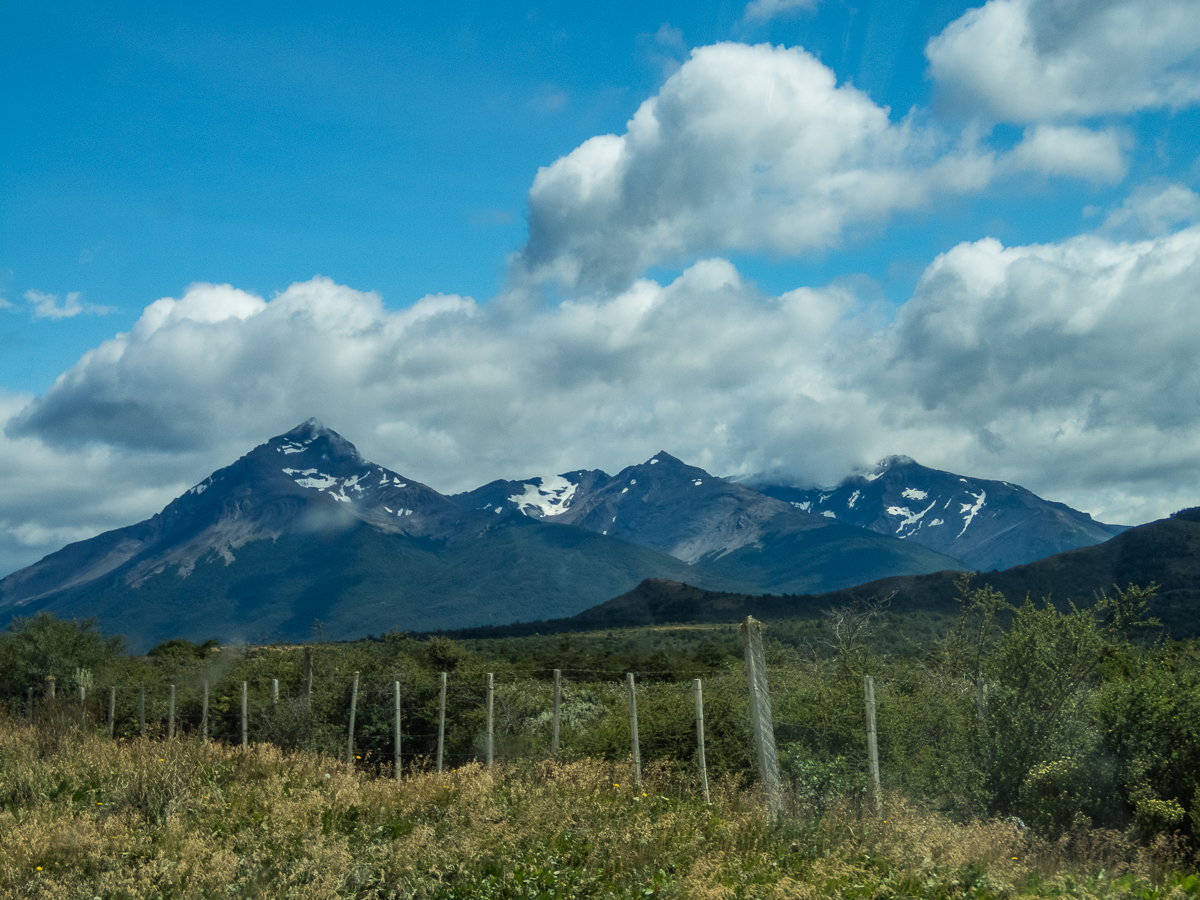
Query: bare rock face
point(986, 524)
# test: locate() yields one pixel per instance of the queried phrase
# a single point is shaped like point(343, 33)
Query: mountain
point(304, 528)
point(986, 524)
point(1165, 552)
point(720, 528)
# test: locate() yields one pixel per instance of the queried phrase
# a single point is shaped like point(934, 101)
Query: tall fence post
point(760, 712)
point(396, 730)
point(556, 720)
point(350, 730)
point(634, 743)
point(308, 667)
point(82, 705)
point(274, 691)
point(700, 740)
point(171, 714)
point(112, 710)
point(245, 716)
point(491, 695)
point(981, 702)
point(49, 690)
point(204, 714)
point(142, 707)
point(873, 743)
point(441, 723)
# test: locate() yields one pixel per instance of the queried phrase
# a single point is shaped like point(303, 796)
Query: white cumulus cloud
point(46, 306)
point(1072, 362)
point(1031, 60)
point(744, 148)
point(1154, 209)
point(1070, 150)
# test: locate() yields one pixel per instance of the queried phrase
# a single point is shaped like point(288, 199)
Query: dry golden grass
point(84, 817)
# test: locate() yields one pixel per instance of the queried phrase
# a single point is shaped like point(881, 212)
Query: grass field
point(85, 817)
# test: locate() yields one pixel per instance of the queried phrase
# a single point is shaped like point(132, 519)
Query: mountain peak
point(895, 461)
point(310, 429)
point(663, 456)
point(312, 435)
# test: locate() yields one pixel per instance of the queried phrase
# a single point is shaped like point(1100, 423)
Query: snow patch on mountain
point(910, 518)
point(972, 511)
point(320, 483)
point(913, 494)
point(550, 495)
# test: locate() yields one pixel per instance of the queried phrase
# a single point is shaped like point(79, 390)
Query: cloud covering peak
point(1068, 365)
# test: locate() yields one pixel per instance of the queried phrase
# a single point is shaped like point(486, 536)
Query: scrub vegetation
point(1027, 750)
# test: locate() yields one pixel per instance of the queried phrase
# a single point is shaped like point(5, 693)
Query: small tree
point(40, 645)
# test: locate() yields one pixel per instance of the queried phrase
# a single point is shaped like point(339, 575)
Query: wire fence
point(815, 729)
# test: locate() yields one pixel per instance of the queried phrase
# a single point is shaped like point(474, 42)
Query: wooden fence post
point(556, 720)
point(396, 730)
point(308, 667)
point(82, 705)
point(491, 694)
point(112, 710)
point(142, 707)
point(49, 690)
point(245, 716)
point(350, 730)
point(171, 714)
point(700, 740)
point(760, 713)
point(634, 743)
point(873, 744)
point(204, 715)
point(274, 691)
point(441, 723)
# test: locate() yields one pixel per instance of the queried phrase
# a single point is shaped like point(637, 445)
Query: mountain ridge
point(1002, 524)
point(303, 525)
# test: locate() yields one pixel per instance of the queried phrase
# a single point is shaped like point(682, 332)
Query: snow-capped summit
point(304, 527)
point(708, 522)
point(986, 524)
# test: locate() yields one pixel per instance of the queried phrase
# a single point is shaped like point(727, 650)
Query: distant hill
point(986, 524)
point(1165, 552)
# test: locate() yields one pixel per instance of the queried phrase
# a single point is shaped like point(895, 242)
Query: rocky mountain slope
point(986, 524)
point(303, 528)
point(719, 527)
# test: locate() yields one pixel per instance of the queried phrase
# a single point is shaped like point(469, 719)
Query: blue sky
point(832, 233)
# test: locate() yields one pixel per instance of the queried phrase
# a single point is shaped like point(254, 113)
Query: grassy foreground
point(83, 817)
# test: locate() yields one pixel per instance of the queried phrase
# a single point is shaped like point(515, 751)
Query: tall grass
point(85, 817)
